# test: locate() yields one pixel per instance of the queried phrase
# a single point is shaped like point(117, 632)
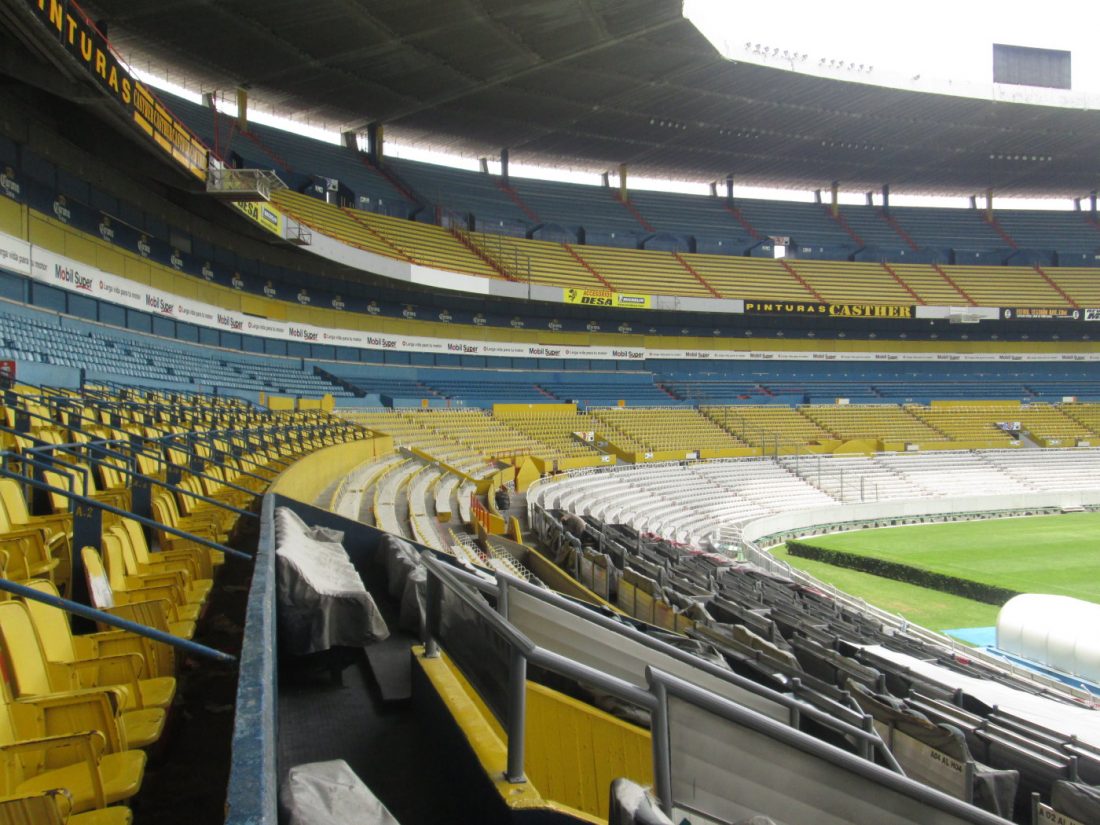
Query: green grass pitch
point(1044, 554)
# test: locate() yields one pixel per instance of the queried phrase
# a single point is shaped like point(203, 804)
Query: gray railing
point(858, 789)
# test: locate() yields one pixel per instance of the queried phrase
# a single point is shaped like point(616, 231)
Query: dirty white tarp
point(322, 602)
point(329, 793)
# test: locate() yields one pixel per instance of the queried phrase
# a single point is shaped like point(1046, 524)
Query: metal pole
point(517, 715)
point(433, 594)
point(114, 621)
point(662, 756)
point(502, 594)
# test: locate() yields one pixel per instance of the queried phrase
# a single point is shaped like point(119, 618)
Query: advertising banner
point(1041, 314)
point(601, 298)
point(876, 311)
point(73, 276)
point(67, 23)
point(263, 214)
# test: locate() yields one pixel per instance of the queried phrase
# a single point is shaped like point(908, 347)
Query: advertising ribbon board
point(65, 21)
point(876, 311)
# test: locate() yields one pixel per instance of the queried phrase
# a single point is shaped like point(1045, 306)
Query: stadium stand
point(803, 223)
point(570, 207)
point(871, 421)
point(1078, 284)
point(302, 159)
point(932, 285)
point(106, 354)
point(1008, 763)
point(839, 282)
point(713, 227)
point(113, 691)
point(516, 510)
point(1036, 229)
point(764, 426)
point(634, 270)
point(939, 228)
point(757, 278)
point(987, 285)
point(632, 431)
point(544, 262)
point(873, 227)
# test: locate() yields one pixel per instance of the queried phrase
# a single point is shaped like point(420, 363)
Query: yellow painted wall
point(504, 410)
point(574, 751)
point(958, 403)
point(279, 403)
point(13, 218)
point(860, 445)
point(560, 582)
point(969, 444)
point(309, 476)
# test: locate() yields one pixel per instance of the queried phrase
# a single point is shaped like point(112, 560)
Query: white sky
point(941, 46)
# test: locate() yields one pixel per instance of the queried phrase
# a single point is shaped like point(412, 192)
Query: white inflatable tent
point(1056, 631)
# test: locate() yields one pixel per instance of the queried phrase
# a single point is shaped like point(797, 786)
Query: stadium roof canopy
point(594, 83)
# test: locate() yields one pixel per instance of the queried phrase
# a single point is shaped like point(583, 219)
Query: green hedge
point(987, 593)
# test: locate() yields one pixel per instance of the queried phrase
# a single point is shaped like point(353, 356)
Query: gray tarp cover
point(406, 579)
point(322, 601)
point(994, 789)
point(1076, 799)
point(329, 793)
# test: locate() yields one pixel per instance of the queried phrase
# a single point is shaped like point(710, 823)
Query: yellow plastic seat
point(215, 485)
point(55, 528)
point(204, 559)
point(159, 658)
point(54, 807)
point(140, 562)
point(149, 607)
point(189, 506)
point(29, 544)
point(190, 592)
point(72, 481)
point(126, 670)
point(166, 587)
point(166, 511)
point(33, 676)
point(92, 769)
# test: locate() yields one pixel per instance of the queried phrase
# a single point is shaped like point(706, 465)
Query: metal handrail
point(78, 609)
point(797, 707)
point(73, 449)
point(520, 644)
point(85, 501)
point(521, 652)
point(665, 685)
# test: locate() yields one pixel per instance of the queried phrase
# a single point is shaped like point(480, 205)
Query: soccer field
point(1045, 554)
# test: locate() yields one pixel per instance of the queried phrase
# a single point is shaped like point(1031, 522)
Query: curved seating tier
point(690, 502)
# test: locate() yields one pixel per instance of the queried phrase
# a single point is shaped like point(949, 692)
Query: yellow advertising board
point(603, 298)
point(168, 133)
point(263, 214)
